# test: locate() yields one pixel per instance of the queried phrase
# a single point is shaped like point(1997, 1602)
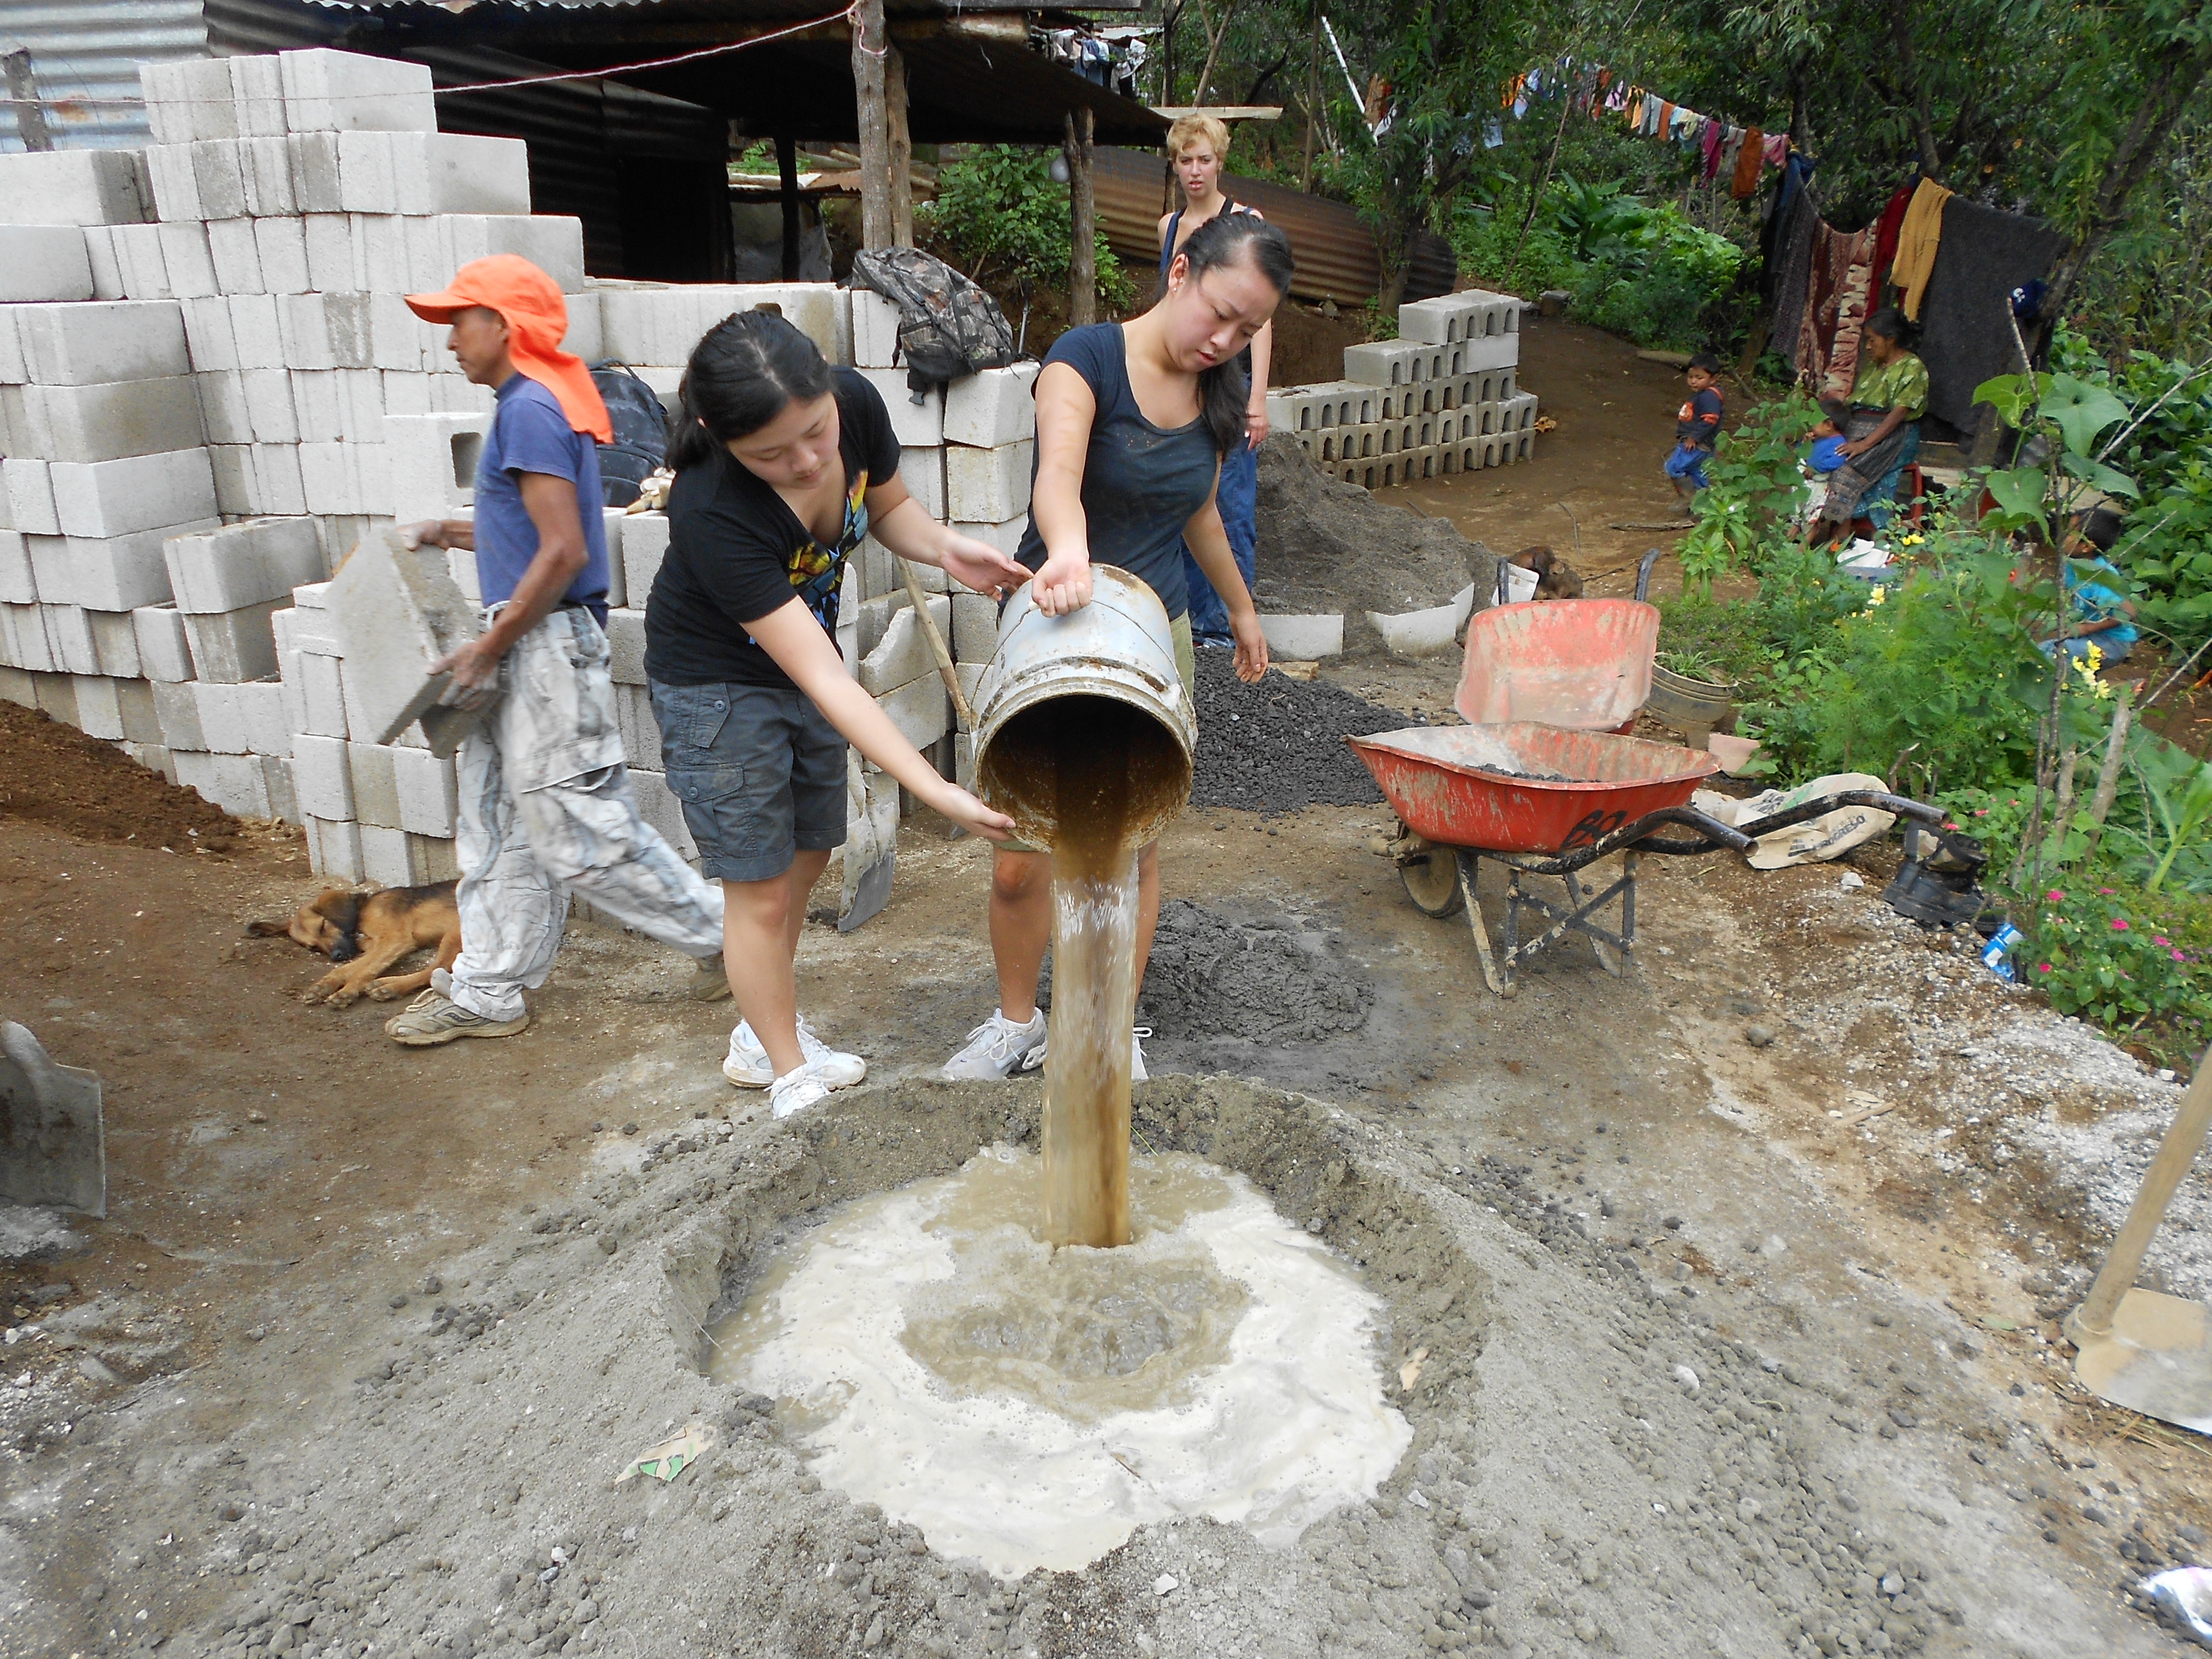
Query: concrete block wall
point(1441, 398)
point(210, 389)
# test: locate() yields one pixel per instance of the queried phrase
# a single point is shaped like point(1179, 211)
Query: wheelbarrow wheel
point(1431, 881)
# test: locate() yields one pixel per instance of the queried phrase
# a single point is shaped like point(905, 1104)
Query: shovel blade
point(54, 1148)
point(2157, 1360)
point(870, 893)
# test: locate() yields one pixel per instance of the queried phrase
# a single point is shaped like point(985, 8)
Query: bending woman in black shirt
point(784, 464)
point(1132, 422)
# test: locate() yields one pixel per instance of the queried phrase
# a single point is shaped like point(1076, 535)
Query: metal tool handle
point(946, 670)
point(2184, 1140)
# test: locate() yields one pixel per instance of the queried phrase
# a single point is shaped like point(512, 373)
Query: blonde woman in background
point(1198, 146)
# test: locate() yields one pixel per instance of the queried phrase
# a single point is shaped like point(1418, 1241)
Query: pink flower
point(2105, 890)
point(1981, 811)
point(2044, 969)
point(2055, 897)
point(2178, 957)
point(2160, 938)
point(2119, 924)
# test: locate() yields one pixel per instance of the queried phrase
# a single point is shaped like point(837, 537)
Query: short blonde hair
point(1211, 128)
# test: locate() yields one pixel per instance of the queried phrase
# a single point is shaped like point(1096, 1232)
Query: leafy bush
point(1753, 489)
point(998, 207)
point(2131, 960)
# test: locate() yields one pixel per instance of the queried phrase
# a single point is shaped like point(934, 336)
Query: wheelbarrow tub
point(1468, 786)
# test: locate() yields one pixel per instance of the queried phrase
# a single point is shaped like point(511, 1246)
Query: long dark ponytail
point(1227, 239)
point(741, 376)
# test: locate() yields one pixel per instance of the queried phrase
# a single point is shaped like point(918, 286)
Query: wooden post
point(787, 175)
point(869, 45)
point(1082, 222)
point(30, 114)
point(901, 144)
point(1313, 101)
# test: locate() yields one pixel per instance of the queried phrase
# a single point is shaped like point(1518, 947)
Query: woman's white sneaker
point(749, 1068)
point(996, 1049)
point(796, 1090)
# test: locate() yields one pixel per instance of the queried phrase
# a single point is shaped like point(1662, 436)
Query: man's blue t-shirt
point(2094, 602)
point(529, 434)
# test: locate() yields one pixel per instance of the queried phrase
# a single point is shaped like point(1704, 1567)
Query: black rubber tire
point(1431, 881)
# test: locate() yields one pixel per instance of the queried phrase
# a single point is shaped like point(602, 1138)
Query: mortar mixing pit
point(1026, 1406)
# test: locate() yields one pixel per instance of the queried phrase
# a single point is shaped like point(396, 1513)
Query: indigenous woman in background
point(1136, 422)
point(1881, 432)
point(1199, 146)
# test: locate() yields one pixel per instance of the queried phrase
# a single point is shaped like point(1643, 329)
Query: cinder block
point(114, 643)
point(88, 344)
point(222, 717)
point(283, 799)
point(554, 244)
point(243, 564)
point(390, 858)
point(428, 797)
point(69, 636)
point(919, 709)
point(16, 686)
point(1394, 363)
point(98, 713)
point(101, 261)
point(43, 261)
point(423, 173)
point(170, 182)
point(922, 472)
point(997, 406)
point(432, 462)
point(18, 584)
point(122, 418)
point(257, 94)
point(168, 109)
point(136, 492)
point(903, 654)
point(321, 704)
point(914, 425)
point(269, 408)
point(611, 528)
point(1493, 351)
point(1007, 536)
point(141, 725)
point(322, 776)
point(14, 371)
point(23, 639)
point(188, 259)
point(165, 653)
point(975, 627)
point(644, 545)
point(278, 488)
point(584, 336)
point(195, 771)
point(318, 172)
point(219, 177)
point(281, 245)
point(261, 706)
point(875, 330)
point(57, 697)
point(26, 497)
point(257, 343)
point(397, 611)
point(329, 91)
point(141, 272)
point(988, 486)
point(211, 339)
point(176, 706)
point(375, 784)
point(73, 187)
point(658, 805)
point(626, 645)
point(265, 164)
point(123, 572)
point(638, 730)
point(331, 265)
point(316, 404)
point(232, 647)
point(242, 786)
point(333, 848)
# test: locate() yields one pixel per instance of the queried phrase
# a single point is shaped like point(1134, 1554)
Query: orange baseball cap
point(537, 318)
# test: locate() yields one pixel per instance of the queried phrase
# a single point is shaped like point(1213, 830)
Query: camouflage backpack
point(949, 328)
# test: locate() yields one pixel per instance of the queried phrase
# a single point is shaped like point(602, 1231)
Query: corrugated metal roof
point(1335, 249)
point(84, 62)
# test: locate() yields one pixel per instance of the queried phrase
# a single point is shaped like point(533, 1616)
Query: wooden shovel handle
point(946, 670)
point(2184, 1140)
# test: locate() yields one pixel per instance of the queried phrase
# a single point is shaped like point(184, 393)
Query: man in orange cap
point(545, 803)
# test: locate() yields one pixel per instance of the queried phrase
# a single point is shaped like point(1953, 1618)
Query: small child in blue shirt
point(1697, 428)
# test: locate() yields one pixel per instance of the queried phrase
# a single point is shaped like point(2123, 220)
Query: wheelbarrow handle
point(1635, 838)
point(1898, 805)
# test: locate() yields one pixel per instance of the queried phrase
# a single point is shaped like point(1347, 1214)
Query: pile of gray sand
point(1329, 546)
point(1278, 745)
point(1212, 976)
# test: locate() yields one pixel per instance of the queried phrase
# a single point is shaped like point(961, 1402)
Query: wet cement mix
point(1277, 746)
point(1644, 1485)
point(1263, 981)
point(1329, 546)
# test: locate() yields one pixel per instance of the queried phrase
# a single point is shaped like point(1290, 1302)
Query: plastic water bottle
point(1996, 955)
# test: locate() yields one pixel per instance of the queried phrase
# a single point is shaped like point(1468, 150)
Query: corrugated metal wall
point(84, 61)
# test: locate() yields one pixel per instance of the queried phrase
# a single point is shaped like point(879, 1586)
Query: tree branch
point(1908, 64)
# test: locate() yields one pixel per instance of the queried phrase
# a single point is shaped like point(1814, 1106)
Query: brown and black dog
point(369, 933)
point(1555, 577)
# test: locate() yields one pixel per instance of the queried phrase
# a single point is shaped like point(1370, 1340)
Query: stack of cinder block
point(211, 391)
point(1441, 398)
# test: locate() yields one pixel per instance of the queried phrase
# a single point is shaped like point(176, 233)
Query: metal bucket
point(1118, 648)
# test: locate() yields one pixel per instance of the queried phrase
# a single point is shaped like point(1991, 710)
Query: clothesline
point(1743, 153)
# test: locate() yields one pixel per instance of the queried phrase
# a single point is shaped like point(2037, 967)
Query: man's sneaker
point(1137, 1071)
point(712, 982)
point(997, 1048)
point(435, 1018)
point(749, 1068)
point(797, 1089)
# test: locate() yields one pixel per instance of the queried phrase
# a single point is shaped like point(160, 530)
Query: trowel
point(53, 1149)
point(2142, 1349)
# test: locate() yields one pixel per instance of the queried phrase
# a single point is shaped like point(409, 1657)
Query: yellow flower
point(2096, 657)
point(1878, 596)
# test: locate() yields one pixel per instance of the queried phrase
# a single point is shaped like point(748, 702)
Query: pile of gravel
point(1212, 976)
point(1278, 745)
point(1329, 546)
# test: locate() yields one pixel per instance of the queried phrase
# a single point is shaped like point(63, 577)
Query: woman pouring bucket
point(1134, 420)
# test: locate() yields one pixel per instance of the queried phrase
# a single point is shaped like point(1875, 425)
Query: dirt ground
point(368, 1332)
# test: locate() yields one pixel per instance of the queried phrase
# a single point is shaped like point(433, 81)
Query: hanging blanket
point(1835, 310)
point(1965, 321)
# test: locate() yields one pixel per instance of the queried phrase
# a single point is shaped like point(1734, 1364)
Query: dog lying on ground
point(367, 932)
point(1555, 577)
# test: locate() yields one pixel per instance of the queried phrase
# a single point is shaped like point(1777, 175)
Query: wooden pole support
point(786, 174)
point(871, 46)
point(2184, 1140)
point(30, 114)
point(900, 145)
point(1083, 221)
point(946, 670)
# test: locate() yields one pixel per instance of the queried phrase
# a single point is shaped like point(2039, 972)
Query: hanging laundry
point(1835, 312)
point(1885, 229)
point(1776, 150)
point(1731, 153)
point(1749, 157)
point(1494, 135)
point(1918, 239)
point(1791, 228)
point(1711, 142)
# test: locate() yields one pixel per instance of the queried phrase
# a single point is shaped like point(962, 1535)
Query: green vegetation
point(999, 213)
